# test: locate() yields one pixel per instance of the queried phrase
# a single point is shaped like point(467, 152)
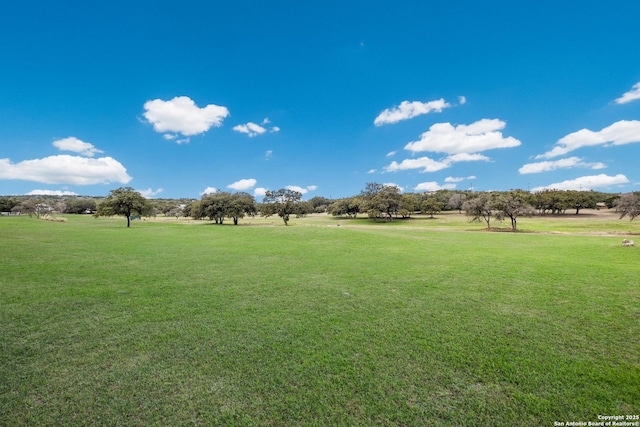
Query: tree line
point(378, 202)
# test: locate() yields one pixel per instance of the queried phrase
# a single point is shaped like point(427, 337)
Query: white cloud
point(585, 183)
point(462, 100)
point(370, 171)
point(453, 179)
point(254, 129)
point(302, 190)
point(77, 146)
point(243, 184)
point(425, 163)
point(619, 133)
point(427, 186)
point(391, 153)
point(569, 162)
point(297, 188)
point(51, 193)
point(408, 110)
point(209, 190)
point(170, 137)
point(479, 136)
point(433, 186)
point(429, 165)
point(468, 157)
point(268, 154)
point(182, 115)
point(250, 129)
point(259, 192)
point(66, 169)
point(149, 192)
point(632, 95)
point(393, 184)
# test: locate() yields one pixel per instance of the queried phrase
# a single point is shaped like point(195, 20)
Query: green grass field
point(418, 322)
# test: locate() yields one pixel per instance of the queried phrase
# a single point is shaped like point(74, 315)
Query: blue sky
point(178, 98)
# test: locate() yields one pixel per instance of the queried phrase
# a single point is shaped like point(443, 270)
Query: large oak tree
point(124, 201)
point(283, 202)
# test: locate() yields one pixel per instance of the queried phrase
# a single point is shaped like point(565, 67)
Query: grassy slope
point(171, 324)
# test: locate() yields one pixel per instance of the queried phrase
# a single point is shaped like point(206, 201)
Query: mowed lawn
point(169, 323)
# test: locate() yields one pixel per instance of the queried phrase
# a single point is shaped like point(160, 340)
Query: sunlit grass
point(172, 323)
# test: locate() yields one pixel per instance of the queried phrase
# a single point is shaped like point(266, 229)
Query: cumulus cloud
point(254, 129)
point(51, 193)
point(370, 171)
point(631, 95)
point(77, 146)
point(182, 115)
point(462, 100)
point(468, 157)
point(433, 186)
point(393, 184)
point(619, 133)
point(149, 192)
point(209, 190)
point(66, 169)
point(302, 190)
point(243, 184)
point(452, 179)
point(427, 164)
point(250, 129)
point(260, 192)
point(408, 110)
point(485, 134)
point(585, 183)
point(569, 162)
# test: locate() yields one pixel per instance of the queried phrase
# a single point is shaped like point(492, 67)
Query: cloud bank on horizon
point(81, 169)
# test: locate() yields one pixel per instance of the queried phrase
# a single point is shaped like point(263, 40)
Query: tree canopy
point(512, 205)
point(381, 201)
point(629, 205)
point(480, 208)
point(283, 202)
point(431, 206)
point(378, 201)
point(220, 205)
point(124, 201)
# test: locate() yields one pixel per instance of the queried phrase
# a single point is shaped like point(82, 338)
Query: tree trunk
point(235, 220)
point(128, 221)
point(487, 219)
point(513, 224)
